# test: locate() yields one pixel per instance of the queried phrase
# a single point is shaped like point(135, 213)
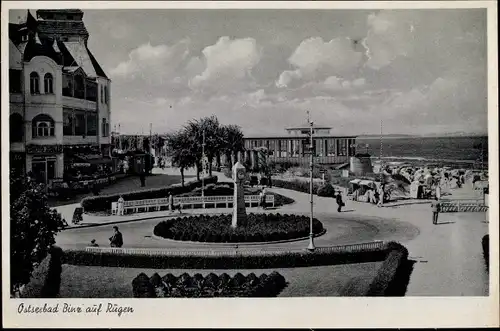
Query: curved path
point(449, 255)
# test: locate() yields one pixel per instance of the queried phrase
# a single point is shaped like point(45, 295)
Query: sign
point(44, 149)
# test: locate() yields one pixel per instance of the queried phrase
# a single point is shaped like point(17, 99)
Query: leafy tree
point(33, 226)
point(179, 148)
point(232, 142)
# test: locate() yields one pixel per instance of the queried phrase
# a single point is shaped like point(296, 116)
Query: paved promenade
point(448, 256)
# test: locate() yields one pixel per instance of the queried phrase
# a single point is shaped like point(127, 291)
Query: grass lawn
point(109, 282)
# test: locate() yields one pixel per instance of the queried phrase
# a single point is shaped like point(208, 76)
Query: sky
point(419, 71)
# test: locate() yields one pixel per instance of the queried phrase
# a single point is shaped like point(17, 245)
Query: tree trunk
point(217, 161)
point(182, 176)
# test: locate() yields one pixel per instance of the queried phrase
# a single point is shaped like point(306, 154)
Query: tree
point(179, 148)
point(33, 226)
point(232, 142)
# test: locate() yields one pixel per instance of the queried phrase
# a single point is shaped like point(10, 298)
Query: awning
point(366, 183)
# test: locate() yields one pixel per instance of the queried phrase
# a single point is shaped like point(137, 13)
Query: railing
point(187, 202)
point(463, 205)
point(376, 245)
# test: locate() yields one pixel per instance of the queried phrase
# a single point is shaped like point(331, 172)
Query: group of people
point(116, 240)
point(375, 195)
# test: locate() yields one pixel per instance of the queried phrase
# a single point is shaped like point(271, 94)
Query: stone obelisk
point(239, 210)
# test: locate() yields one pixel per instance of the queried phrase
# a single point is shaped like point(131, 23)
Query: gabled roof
point(80, 54)
point(44, 48)
point(96, 65)
point(62, 27)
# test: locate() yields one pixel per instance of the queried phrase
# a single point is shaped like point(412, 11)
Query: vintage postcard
point(250, 164)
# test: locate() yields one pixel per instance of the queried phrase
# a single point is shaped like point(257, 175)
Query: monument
point(239, 210)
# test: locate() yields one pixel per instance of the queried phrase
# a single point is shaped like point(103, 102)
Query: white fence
point(136, 206)
point(463, 205)
point(353, 248)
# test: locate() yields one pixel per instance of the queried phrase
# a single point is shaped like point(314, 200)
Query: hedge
point(326, 190)
point(103, 202)
point(197, 286)
point(485, 242)
point(217, 228)
point(386, 280)
point(46, 278)
point(321, 256)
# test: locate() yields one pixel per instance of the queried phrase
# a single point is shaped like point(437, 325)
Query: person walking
point(436, 208)
point(381, 193)
point(263, 198)
point(340, 203)
point(116, 240)
point(121, 207)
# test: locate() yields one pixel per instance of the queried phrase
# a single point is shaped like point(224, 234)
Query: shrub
point(210, 286)
point(103, 202)
point(326, 191)
point(46, 278)
point(217, 228)
point(77, 215)
point(486, 250)
point(396, 258)
point(231, 260)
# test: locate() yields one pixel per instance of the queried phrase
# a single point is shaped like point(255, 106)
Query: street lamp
point(203, 169)
point(311, 149)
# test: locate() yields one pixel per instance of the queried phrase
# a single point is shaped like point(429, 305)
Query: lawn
point(109, 282)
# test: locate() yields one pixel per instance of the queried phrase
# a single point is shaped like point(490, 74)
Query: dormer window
point(24, 37)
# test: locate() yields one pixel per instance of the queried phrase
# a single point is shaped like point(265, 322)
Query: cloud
point(227, 63)
point(335, 83)
point(148, 61)
point(315, 59)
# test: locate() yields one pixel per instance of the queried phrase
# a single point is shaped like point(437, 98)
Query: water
point(466, 150)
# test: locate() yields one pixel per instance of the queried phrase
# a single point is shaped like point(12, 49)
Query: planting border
point(103, 202)
point(46, 278)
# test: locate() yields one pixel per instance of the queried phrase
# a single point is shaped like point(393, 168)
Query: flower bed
point(197, 286)
point(217, 228)
point(46, 278)
point(103, 202)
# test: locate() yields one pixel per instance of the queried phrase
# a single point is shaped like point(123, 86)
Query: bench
point(463, 205)
point(136, 206)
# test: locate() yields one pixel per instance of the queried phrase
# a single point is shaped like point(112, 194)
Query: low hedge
point(386, 282)
point(103, 202)
point(46, 278)
point(485, 242)
point(217, 228)
point(296, 185)
point(197, 286)
point(227, 189)
point(326, 190)
point(321, 256)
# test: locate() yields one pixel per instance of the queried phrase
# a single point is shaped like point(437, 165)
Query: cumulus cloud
point(227, 62)
point(153, 60)
point(314, 58)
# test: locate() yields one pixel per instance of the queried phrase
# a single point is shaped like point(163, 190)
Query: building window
point(79, 87)
point(79, 119)
point(102, 94)
point(67, 122)
point(48, 84)
point(16, 128)
point(105, 94)
point(34, 83)
point(43, 126)
point(67, 85)
point(15, 81)
point(91, 91)
point(91, 124)
point(104, 128)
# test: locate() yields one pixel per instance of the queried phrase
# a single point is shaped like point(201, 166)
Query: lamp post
point(366, 148)
point(311, 149)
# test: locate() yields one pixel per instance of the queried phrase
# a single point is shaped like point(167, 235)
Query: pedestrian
point(116, 240)
point(171, 202)
point(381, 195)
point(269, 181)
point(93, 243)
point(263, 198)
point(436, 207)
point(143, 179)
point(340, 203)
point(121, 207)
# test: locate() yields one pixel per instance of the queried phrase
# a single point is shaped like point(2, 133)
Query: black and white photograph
point(246, 153)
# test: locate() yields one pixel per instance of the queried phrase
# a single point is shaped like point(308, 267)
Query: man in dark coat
point(116, 240)
point(340, 203)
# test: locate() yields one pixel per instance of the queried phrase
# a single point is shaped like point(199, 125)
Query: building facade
point(293, 147)
point(60, 109)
